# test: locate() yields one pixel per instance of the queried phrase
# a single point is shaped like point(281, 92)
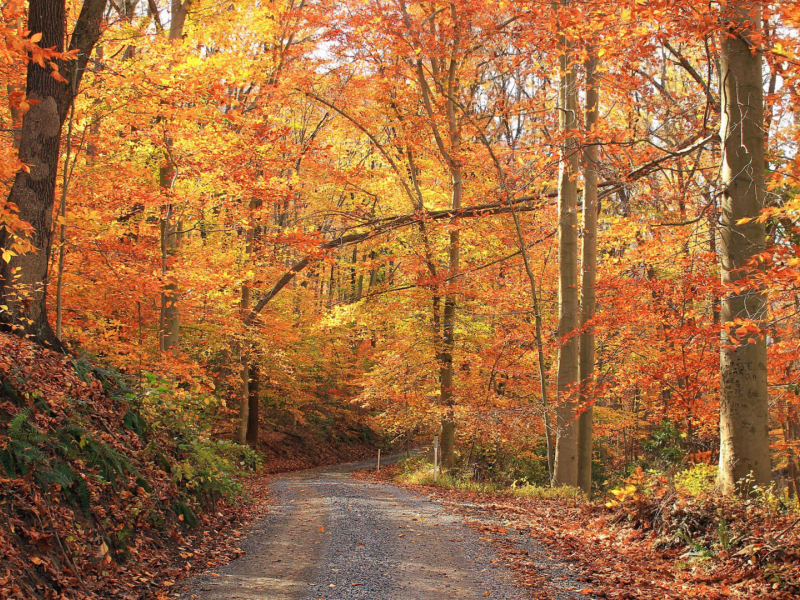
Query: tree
point(588, 279)
point(744, 411)
point(446, 80)
point(566, 456)
point(23, 278)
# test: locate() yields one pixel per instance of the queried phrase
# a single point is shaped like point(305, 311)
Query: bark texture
point(244, 405)
point(179, 10)
point(566, 460)
point(169, 334)
point(252, 412)
point(170, 325)
point(588, 279)
point(248, 402)
point(744, 439)
point(23, 280)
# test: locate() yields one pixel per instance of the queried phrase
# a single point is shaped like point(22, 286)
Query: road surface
point(330, 536)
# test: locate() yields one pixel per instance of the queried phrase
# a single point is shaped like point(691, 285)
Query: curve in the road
point(334, 537)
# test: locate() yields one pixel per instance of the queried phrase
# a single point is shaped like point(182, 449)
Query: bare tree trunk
point(446, 76)
point(353, 295)
point(62, 227)
point(566, 463)
point(744, 439)
point(169, 337)
point(373, 272)
point(169, 320)
point(537, 315)
point(446, 372)
point(793, 437)
point(13, 109)
point(23, 279)
point(178, 11)
point(588, 279)
point(252, 412)
point(248, 425)
point(331, 285)
point(244, 404)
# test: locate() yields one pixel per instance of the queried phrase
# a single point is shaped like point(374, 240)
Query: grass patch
point(563, 492)
point(420, 472)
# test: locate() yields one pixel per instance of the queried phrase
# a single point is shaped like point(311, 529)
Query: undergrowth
point(101, 475)
point(419, 471)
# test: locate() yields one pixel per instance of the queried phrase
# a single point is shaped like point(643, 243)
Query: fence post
point(435, 458)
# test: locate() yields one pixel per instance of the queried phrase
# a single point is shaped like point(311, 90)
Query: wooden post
point(379, 460)
point(435, 457)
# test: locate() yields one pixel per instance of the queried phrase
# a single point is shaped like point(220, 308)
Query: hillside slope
point(95, 503)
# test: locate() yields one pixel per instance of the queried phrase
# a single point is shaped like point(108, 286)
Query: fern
point(17, 424)
point(111, 379)
point(61, 475)
point(182, 510)
point(133, 421)
point(26, 454)
point(23, 452)
point(11, 393)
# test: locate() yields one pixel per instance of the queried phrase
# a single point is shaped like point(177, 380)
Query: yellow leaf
point(36, 38)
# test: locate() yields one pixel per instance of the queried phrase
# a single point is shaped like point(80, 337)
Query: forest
point(250, 237)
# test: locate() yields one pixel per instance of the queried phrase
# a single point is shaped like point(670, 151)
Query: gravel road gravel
point(332, 537)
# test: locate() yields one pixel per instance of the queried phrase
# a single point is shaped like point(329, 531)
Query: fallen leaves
point(129, 544)
point(619, 561)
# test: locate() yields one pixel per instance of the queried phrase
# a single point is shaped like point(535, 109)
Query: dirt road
point(333, 537)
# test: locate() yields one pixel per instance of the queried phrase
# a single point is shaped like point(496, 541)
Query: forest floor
point(608, 553)
point(333, 536)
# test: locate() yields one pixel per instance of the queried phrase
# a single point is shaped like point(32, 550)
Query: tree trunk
point(537, 315)
point(252, 413)
point(170, 238)
point(566, 462)
point(446, 372)
point(13, 109)
point(588, 278)
point(793, 437)
point(449, 148)
point(178, 12)
point(169, 330)
point(744, 439)
point(244, 404)
point(23, 279)
point(62, 228)
point(248, 425)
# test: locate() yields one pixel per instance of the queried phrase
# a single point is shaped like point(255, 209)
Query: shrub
point(697, 479)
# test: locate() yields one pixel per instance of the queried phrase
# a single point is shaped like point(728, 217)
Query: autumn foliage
point(314, 215)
